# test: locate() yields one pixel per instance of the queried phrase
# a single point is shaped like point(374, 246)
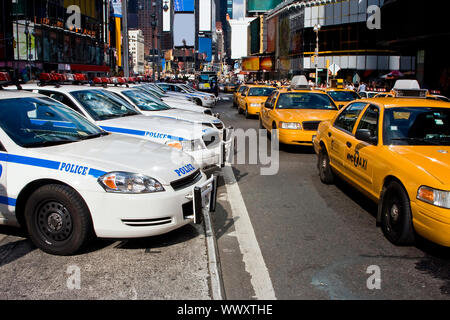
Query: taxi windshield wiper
point(47, 143)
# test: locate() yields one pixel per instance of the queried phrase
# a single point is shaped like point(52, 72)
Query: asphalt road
point(318, 241)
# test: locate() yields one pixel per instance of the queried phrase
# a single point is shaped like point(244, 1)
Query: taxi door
point(340, 134)
point(241, 98)
point(267, 110)
point(363, 156)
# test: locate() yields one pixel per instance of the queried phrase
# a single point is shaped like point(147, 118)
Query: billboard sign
point(184, 29)
point(183, 5)
point(204, 15)
point(250, 64)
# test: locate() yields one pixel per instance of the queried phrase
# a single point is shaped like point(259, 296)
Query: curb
point(217, 289)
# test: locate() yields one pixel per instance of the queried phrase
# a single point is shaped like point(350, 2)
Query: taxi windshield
point(103, 106)
point(260, 92)
point(305, 100)
point(37, 122)
point(144, 101)
point(417, 126)
point(343, 95)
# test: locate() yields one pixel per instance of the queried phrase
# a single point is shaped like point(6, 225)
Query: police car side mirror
point(366, 136)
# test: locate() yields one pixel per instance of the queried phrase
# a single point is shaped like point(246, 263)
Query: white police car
point(177, 102)
point(201, 98)
point(66, 180)
point(115, 115)
point(151, 106)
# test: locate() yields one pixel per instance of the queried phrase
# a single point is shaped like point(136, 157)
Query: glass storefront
point(42, 38)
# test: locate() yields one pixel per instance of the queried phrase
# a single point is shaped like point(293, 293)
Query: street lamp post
point(316, 55)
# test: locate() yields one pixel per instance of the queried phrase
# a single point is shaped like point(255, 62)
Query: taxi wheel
point(247, 116)
point(325, 172)
point(58, 220)
point(240, 111)
point(396, 217)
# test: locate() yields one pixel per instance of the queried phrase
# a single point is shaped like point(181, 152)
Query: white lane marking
point(252, 256)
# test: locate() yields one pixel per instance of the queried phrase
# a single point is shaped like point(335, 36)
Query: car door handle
point(349, 144)
point(329, 134)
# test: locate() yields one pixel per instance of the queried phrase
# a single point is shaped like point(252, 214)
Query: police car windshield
point(152, 92)
point(343, 95)
point(260, 92)
point(144, 101)
point(417, 126)
point(103, 106)
point(187, 89)
point(305, 100)
point(39, 122)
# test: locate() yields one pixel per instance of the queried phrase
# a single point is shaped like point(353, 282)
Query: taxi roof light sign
point(409, 89)
point(300, 82)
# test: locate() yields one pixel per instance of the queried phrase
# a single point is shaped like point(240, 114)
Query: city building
point(137, 51)
point(368, 40)
point(49, 35)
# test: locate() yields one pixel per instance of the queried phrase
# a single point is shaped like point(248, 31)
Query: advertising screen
point(250, 64)
point(183, 5)
point(184, 29)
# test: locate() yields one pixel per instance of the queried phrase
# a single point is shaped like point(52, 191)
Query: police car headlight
point(192, 145)
point(290, 125)
point(435, 197)
point(125, 182)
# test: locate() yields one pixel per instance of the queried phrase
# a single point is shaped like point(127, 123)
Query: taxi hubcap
point(395, 213)
point(54, 221)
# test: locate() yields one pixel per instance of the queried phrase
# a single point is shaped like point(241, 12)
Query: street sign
point(334, 69)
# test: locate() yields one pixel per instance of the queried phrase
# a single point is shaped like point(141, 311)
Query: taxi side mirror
point(340, 106)
point(366, 136)
point(267, 105)
point(243, 94)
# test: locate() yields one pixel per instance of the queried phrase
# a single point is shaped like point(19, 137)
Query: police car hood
point(185, 105)
point(159, 128)
point(124, 153)
point(183, 115)
point(435, 160)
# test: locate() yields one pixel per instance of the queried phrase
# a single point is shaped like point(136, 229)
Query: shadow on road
point(183, 234)
point(19, 247)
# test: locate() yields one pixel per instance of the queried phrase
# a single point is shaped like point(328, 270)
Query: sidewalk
point(168, 267)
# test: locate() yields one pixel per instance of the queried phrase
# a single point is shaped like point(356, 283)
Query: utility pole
point(125, 44)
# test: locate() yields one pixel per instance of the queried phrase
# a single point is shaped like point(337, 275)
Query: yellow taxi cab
point(296, 112)
point(230, 87)
point(384, 95)
point(396, 151)
point(252, 99)
point(237, 94)
point(342, 97)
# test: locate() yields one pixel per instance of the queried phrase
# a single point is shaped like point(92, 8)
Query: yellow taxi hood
point(256, 99)
point(435, 160)
point(305, 114)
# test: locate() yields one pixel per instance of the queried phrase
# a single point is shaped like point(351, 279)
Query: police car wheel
point(325, 171)
point(396, 217)
point(58, 220)
point(199, 102)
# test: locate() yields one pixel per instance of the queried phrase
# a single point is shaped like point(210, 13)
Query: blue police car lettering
point(156, 135)
point(185, 170)
point(72, 168)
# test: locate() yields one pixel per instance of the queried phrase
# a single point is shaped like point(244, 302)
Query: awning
point(88, 67)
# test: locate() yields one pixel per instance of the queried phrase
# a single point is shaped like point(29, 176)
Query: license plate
point(205, 198)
